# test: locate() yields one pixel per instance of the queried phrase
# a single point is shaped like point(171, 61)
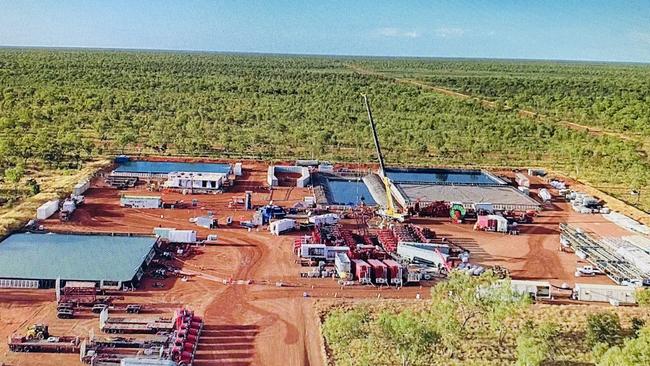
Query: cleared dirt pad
point(259, 316)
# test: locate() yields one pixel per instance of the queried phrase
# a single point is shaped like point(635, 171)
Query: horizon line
point(325, 55)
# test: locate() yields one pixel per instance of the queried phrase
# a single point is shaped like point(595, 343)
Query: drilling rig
point(389, 212)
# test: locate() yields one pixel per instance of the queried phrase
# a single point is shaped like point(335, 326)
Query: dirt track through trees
point(596, 131)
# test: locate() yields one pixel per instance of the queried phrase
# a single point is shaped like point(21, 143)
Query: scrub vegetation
point(59, 108)
point(479, 321)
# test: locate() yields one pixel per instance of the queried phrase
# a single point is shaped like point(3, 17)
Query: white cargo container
point(536, 289)
point(182, 236)
point(237, 169)
point(342, 264)
point(613, 294)
point(280, 226)
point(326, 219)
point(80, 188)
point(47, 209)
point(141, 201)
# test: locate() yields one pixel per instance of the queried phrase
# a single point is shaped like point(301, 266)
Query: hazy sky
point(615, 30)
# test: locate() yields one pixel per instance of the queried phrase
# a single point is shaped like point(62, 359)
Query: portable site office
point(141, 201)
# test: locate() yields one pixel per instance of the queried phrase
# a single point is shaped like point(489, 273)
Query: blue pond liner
point(441, 176)
point(344, 192)
point(164, 167)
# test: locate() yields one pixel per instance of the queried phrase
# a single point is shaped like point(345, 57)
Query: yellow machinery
point(37, 331)
point(389, 212)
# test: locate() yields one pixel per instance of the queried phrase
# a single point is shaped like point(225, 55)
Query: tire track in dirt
point(235, 304)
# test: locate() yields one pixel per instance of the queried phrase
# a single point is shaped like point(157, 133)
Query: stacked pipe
point(188, 330)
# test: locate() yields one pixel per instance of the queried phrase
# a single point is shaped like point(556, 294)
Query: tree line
point(59, 108)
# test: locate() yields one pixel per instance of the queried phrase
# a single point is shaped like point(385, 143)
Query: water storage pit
point(142, 167)
point(346, 192)
point(443, 176)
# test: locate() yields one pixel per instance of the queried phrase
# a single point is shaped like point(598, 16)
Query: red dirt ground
point(261, 323)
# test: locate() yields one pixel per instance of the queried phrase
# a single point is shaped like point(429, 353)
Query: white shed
point(613, 294)
point(47, 209)
point(280, 226)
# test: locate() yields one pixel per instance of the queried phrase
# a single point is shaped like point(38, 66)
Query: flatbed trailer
point(122, 342)
point(65, 344)
point(134, 325)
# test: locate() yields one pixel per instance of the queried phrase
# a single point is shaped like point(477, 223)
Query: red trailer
point(361, 271)
point(379, 270)
point(395, 271)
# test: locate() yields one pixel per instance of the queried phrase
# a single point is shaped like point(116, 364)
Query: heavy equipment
point(389, 212)
point(37, 331)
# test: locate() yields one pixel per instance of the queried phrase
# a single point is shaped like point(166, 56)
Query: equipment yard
point(246, 284)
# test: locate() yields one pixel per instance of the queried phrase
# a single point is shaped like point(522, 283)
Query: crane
point(389, 212)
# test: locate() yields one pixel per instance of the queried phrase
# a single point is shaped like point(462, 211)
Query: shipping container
point(141, 201)
point(80, 188)
point(343, 266)
point(326, 219)
point(361, 270)
point(605, 293)
point(395, 272)
point(379, 271)
point(281, 226)
point(182, 236)
point(47, 209)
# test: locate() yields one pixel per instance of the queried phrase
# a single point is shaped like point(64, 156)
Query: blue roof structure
point(165, 167)
point(73, 257)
